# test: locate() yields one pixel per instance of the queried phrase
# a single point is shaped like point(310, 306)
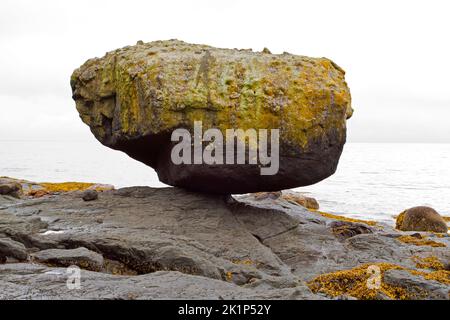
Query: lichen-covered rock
point(10, 188)
point(19, 187)
point(134, 97)
point(395, 282)
point(421, 219)
point(345, 230)
point(418, 286)
point(304, 201)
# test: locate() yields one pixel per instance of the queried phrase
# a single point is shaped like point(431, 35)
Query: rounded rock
point(304, 201)
point(90, 195)
point(421, 219)
point(9, 188)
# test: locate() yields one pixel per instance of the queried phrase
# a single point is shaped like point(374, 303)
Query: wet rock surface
point(134, 97)
point(171, 243)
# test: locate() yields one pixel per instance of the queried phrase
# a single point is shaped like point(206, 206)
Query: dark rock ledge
point(146, 243)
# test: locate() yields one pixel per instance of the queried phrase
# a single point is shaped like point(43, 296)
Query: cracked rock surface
point(148, 243)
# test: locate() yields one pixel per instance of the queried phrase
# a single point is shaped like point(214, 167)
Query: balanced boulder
point(135, 97)
point(421, 219)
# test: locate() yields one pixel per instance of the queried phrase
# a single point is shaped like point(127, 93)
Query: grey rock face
point(12, 249)
point(170, 243)
point(24, 281)
point(80, 257)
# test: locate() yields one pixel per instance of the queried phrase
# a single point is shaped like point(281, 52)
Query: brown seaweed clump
point(420, 241)
point(354, 283)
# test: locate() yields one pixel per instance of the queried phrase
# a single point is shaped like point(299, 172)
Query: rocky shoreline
point(148, 243)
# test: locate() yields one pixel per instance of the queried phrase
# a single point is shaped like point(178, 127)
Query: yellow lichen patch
point(442, 276)
point(354, 282)
point(66, 186)
point(422, 241)
point(399, 220)
point(246, 262)
point(346, 219)
point(430, 262)
point(72, 186)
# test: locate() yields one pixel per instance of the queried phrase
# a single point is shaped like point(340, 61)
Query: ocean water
point(373, 181)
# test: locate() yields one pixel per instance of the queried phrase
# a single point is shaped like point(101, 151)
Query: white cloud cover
point(395, 54)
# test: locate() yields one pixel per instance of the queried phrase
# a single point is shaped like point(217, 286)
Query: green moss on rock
point(162, 85)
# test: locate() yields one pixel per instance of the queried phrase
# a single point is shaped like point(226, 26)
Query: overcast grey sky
point(396, 54)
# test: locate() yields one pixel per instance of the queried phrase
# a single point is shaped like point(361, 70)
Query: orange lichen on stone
point(72, 186)
point(422, 241)
point(442, 276)
point(66, 186)
point(354, 282)
point(341, 218)
point(430, 262)
point(38, 193)
point(37, 190)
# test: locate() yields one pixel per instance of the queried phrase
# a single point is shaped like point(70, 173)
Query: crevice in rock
point(257, 238)
point(280, 233)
